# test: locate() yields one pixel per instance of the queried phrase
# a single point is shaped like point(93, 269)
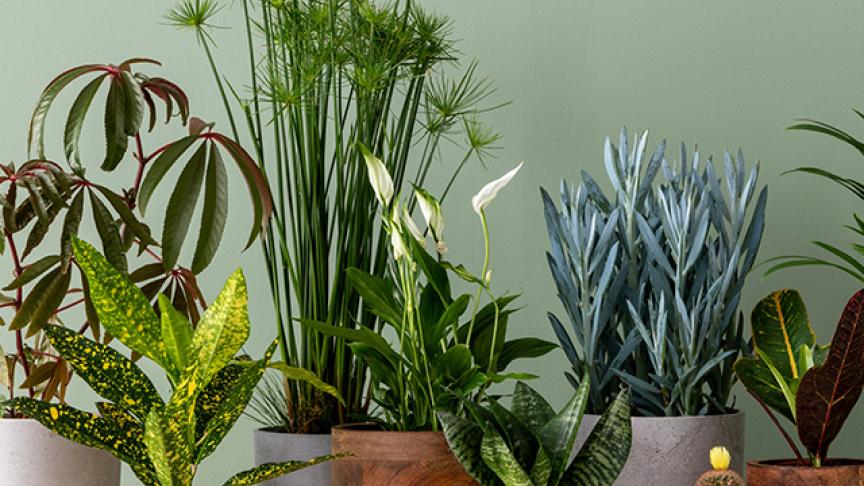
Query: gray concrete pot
point(273, 446)
point(673, 451)
point(31, 455)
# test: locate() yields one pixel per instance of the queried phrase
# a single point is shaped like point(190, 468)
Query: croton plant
point(814, 386)
point(163, 441)
point(42, 194)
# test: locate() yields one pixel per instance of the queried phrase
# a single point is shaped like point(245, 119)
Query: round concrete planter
point(382, 458)
point(837, 472)
point(673, 451)
point(274, 446)
point(31, 455)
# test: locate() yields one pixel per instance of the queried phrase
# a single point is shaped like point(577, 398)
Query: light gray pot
point(31, 455)
point(271, 446)
point(673, 451)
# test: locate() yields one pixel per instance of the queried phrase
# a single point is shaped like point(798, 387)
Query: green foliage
point(162, 441)
point(531, 445)
point(814, 387)
point(650, 276)
point(374, 75)
point(41, 195)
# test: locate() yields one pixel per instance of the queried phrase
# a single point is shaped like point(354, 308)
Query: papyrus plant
point(323, 76)
point(815, 387)
point(45, 204)
point(650, 277)
point(532, 445)
point(163, 441)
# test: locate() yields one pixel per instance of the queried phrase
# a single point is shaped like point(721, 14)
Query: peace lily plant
point(437, 360)
point(163, 441)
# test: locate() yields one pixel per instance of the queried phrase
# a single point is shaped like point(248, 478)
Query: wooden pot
point(837, 472)
point(381, 458)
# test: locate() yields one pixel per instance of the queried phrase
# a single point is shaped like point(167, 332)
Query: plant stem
point(19, 338)
point(486, 245)
point(779, 427)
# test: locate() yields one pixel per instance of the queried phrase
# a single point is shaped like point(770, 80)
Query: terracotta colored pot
point(31, 455)
point(383, 458)
point(837, 472)
point(673, 451)
point(273, 446)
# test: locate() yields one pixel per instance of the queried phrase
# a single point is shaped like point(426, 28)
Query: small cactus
point(720, 474)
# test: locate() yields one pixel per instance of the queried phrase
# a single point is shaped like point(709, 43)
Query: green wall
point(721, 74)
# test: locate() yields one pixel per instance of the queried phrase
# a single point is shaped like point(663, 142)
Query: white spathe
point(489, 191)
point(380, 179)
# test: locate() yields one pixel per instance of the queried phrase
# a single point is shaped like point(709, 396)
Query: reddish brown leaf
point(828, 393)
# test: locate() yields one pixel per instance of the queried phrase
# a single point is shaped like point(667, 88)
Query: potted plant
point(531, 444)
point(163, 441)
point(322, 77)
point(41, 198)
point(650, 278)
point(814, 387)
point(436, 360)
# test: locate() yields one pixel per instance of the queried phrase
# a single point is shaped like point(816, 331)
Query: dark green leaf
point(464, 437)
point(75, 120)
point(500, 459)
point(70, 226)
point(607, 448)
point(558, 435)
point(133, 98)
point(160, 167)
point(215, 212)
point(109, 234)
point(531, 408)
point(378, 294)
point(137, 227)
point(181, 205)
point(33, 271)
point(116, 141)
point(523, 348)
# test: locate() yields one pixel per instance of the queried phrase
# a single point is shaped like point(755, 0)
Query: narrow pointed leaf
point(215, 212)
point(530, 407)
point(116, 141)
point(500, 459)
point(268, 471)
point(138, 228)
point(464, 438)
point(109, 234)
point(160, 167)
point(607, 448)
point(559, 434)
point(176, 333)
point(303, 375)
point(75, 120)
point(181, 205)
point(33, 271)
point(133, 106)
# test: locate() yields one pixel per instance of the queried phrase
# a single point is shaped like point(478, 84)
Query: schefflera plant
point(651, 275)
point(162, 441)
point(46, 203)
point(531, 445)
point(815, 387)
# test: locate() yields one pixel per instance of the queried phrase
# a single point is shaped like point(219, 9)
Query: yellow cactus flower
point(720, 458)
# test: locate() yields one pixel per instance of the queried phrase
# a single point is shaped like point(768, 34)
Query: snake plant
point(162, 441)
point(531, 445)
point(650, 276)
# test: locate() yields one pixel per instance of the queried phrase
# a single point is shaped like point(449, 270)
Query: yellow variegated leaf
point(122, 308)
point(222, 330)
point(158, 449)
point(274, 470)
point(177, 335)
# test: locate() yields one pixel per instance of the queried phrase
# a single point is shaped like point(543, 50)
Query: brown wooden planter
point(837, 472)
point(381, 458)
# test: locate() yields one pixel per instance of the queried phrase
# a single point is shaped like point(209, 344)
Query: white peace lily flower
point(431, 210)
point(399, 250)
point(441, 247)
point(380, 179)
point(412, 227)
point(489, 191)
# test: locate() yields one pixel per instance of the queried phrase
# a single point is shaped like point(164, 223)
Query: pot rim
point(276, 431)
point(734, 414)
point(375, 428)
point(792, 463)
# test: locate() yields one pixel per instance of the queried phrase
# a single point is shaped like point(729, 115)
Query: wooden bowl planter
point(837, 472)
point(381, 458)
point(31, 455)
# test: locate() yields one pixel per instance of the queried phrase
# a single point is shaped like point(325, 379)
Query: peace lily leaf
point(181, 205)
point(559, 434)
point(215, 212)
point(305, 376)
point(268, 471)
point(176, 333)
point(109, 373)
point(160, 167)
point(607, 448)
point(122, 308)
point(378, 294)
point(827, 393)
point(498, 457)
point(36, 133)
point(75, 120)
point(222, 330)
point(780, 327)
